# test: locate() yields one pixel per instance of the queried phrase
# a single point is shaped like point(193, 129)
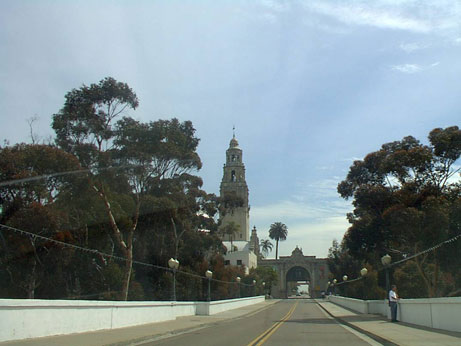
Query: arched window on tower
point(233, 176)
point(233, 158)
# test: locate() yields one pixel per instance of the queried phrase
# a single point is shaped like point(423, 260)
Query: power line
point(97, 252)
point(451, 240)
point(52, 175)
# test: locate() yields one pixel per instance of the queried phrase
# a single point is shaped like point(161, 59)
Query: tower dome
point(233, 143)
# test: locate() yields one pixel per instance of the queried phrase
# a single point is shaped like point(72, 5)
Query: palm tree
point(231, 229)
point(266, 246)
point(278, 231)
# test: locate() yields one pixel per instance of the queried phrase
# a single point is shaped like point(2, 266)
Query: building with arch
point(298, 269)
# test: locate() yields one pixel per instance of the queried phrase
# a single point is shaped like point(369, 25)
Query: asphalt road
point(289, 322)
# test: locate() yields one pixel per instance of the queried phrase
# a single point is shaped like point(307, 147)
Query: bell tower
point(234, 193)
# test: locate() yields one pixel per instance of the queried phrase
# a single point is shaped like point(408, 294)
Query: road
point(289, 322)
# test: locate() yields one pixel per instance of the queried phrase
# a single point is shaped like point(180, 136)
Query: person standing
point(393, 300)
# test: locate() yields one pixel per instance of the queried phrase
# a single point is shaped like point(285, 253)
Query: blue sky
point(309, 85)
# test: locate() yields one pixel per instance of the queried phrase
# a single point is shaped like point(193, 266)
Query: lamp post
point(363, 273)
point(209, 275)
point(238, 283)
point(386, 261)
point(174, 265)
point(334, 286)
point(254, 288)
point(264, 288)
point(344, 287)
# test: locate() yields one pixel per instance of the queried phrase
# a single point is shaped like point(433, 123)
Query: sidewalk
point(145, 332)
point(397, 333)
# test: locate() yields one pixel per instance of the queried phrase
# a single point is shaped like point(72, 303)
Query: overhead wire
point(432, 248)
point(100, 253)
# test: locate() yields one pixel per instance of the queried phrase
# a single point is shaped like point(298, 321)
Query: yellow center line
point(261, 339)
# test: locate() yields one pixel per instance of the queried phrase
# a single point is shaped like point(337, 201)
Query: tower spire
point(233, 130)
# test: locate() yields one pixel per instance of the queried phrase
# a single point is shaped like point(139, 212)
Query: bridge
point(268, 322)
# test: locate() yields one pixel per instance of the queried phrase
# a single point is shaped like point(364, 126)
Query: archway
point(297, 276)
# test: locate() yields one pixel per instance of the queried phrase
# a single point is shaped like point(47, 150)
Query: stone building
point(295, 269)
point(235, 195)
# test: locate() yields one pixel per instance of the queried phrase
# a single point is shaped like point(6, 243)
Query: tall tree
point(124, 157)
point(33, 178)
point(231, 229)
point(403, 196)
point(278, 231)
point(266, 246)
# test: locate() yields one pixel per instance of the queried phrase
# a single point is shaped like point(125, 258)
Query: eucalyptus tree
point(403, 197)
point(124, 157)
point(278, 231)
point(33, 178)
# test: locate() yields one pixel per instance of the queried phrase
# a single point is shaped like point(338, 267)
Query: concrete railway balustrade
point(33, 318)
point(440, 313)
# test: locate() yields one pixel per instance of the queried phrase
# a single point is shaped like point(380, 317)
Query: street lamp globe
point(386, 260)
point(345, 278)
point(335, 281)
point(254, 282)
point(209, 274)
point(264, 284)
point(238, 279)
point(364, 271)
point(173, 263)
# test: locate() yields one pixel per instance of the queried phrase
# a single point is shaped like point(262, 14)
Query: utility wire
point(52, 175)
point(97, 252)
point(451, 240)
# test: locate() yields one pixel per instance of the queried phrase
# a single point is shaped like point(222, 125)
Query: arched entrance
point(298, 267)
point(296, 276)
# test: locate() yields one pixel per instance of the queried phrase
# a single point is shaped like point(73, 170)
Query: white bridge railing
point(32, 318)
point(440, 313)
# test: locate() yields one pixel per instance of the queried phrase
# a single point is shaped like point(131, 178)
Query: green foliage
point(230, 229)
point(133, 196)
point(268, 275)
point(266, 246)
point(278, 231)
point(405, 196)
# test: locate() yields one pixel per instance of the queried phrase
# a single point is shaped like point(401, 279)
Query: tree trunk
point(276, 249)
point(127, 248)
point(127, 274)
point(436, 275)
point(31, 284)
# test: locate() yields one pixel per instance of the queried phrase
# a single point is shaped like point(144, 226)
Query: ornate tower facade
point(234, 192)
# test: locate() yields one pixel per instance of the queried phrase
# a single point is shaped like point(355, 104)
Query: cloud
point(314, 237)
point(411, 47)
point(324, 168)
point(407, 68)
point(351, 159)
point(364, 14)
point(413, 68)
point(277, 6)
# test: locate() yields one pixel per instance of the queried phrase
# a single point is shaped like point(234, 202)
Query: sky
point(310, 85)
